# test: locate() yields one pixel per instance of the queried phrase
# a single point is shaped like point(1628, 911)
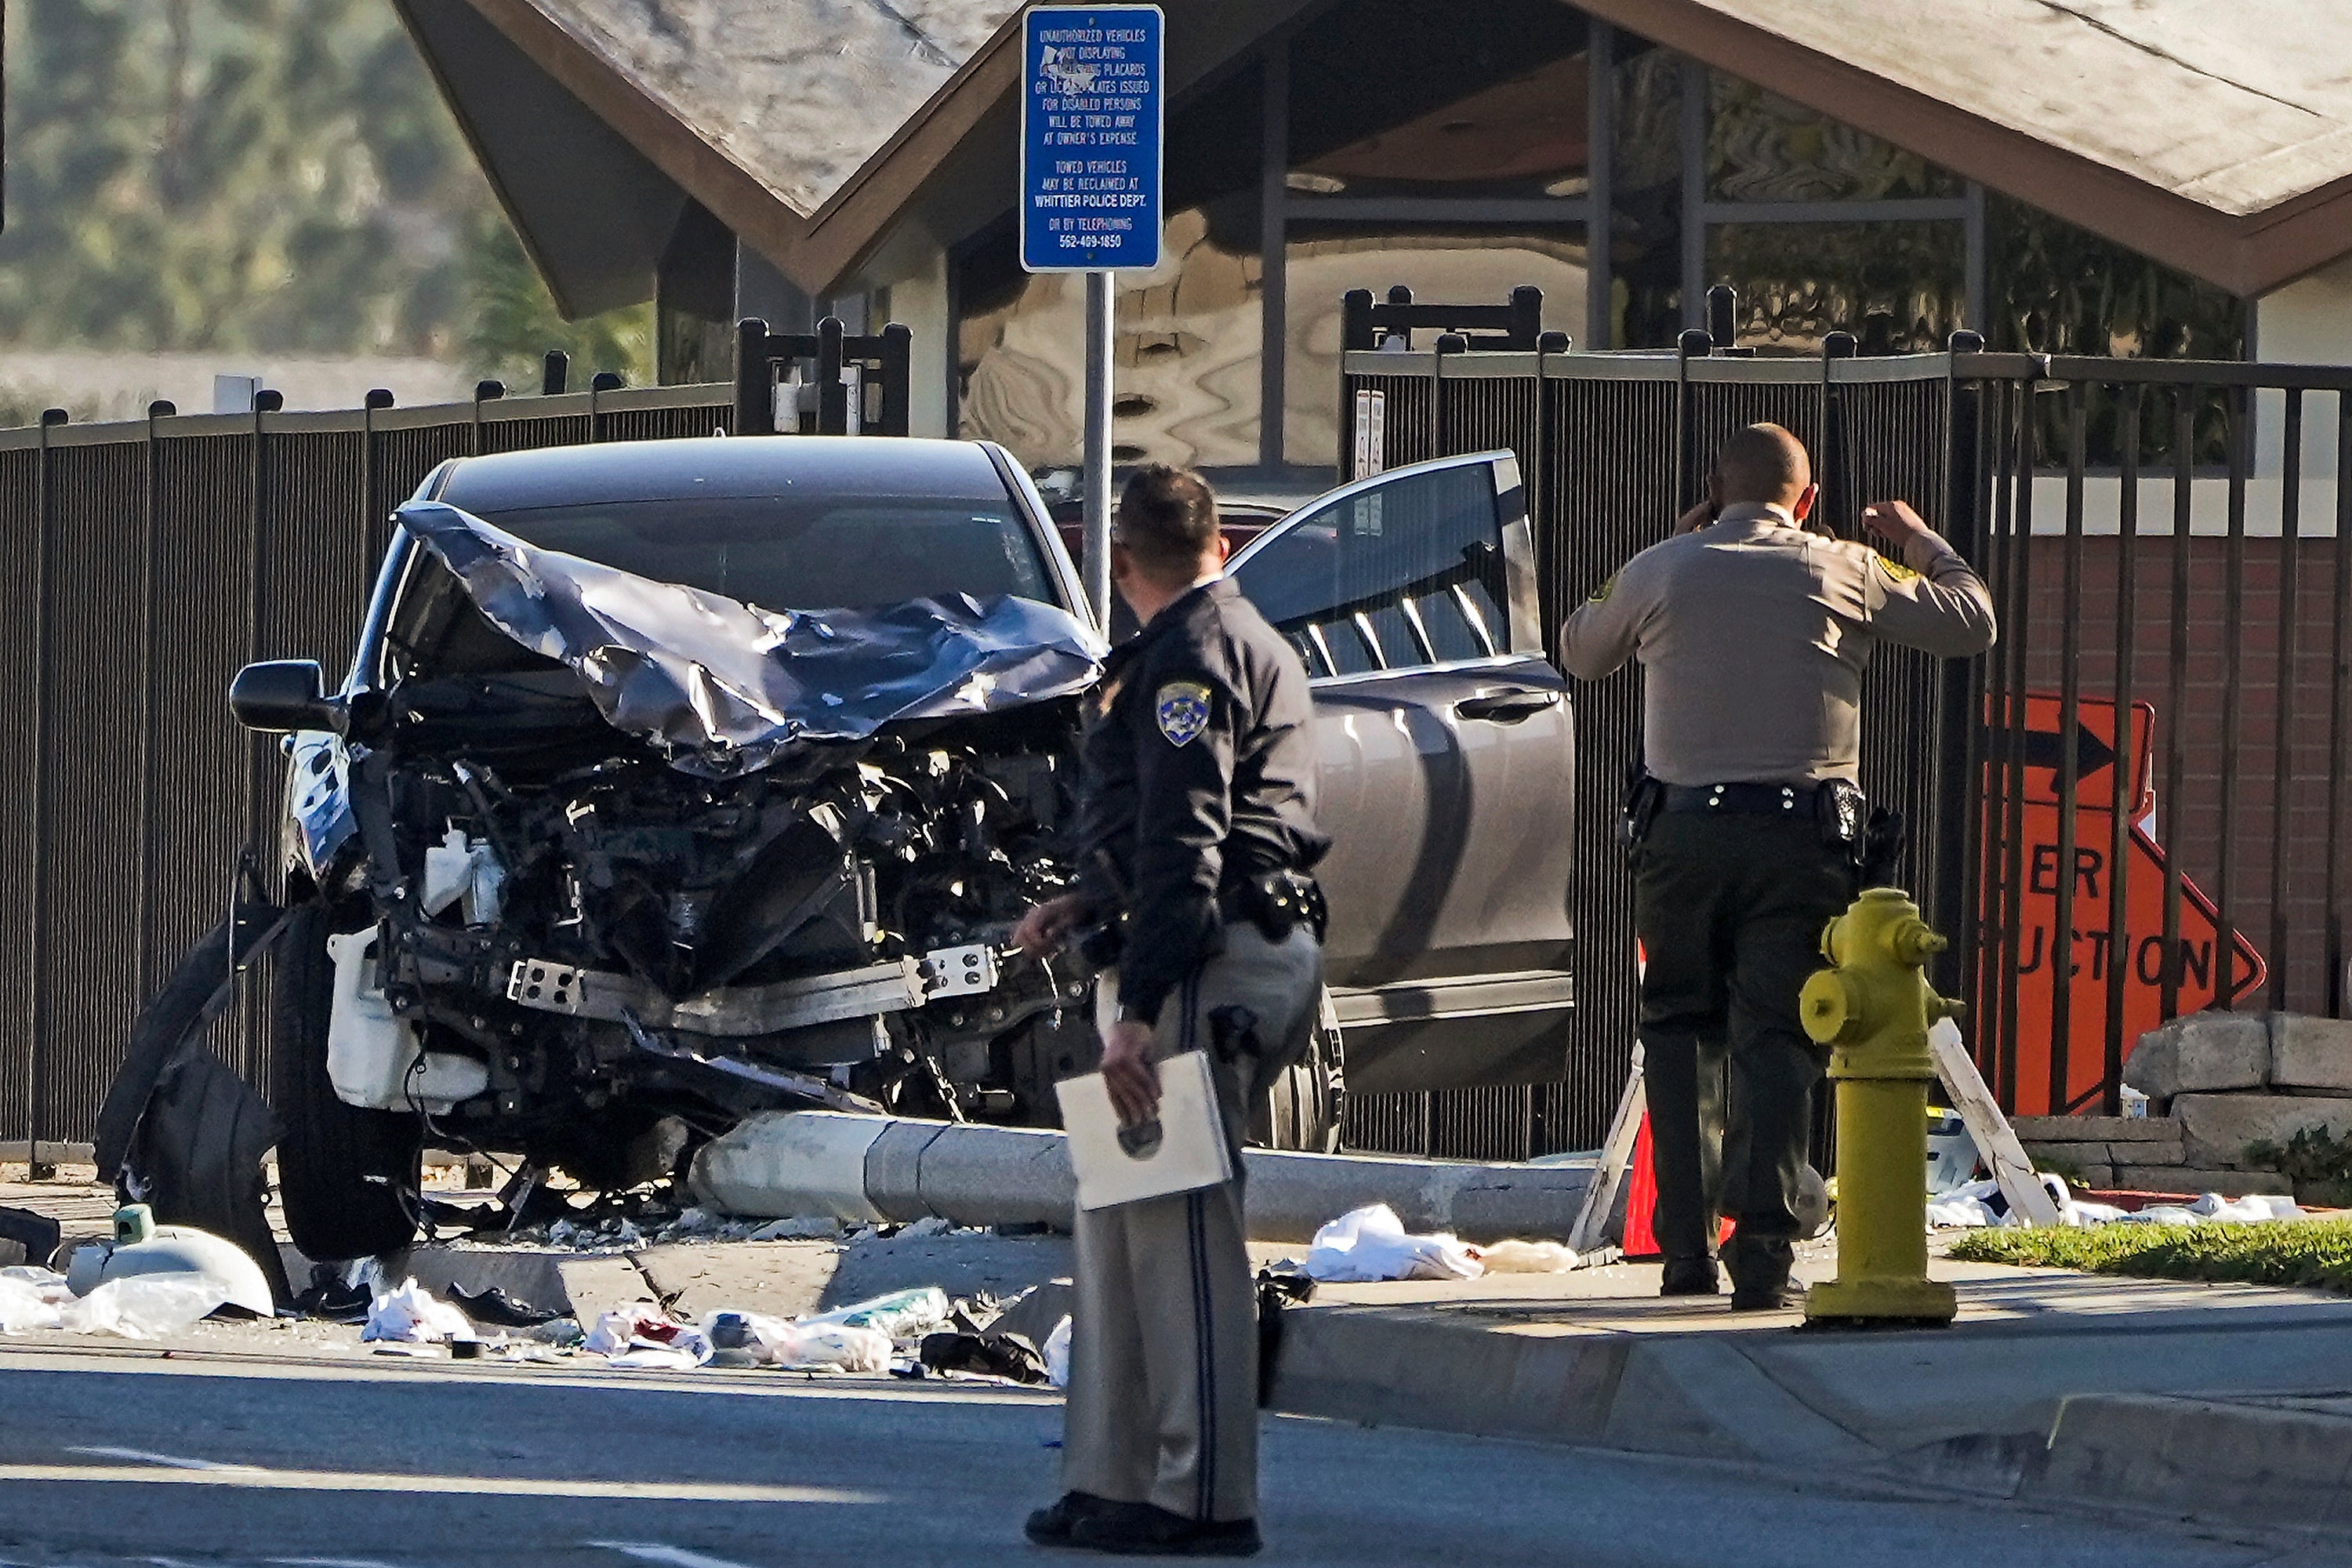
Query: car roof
point(708, 467)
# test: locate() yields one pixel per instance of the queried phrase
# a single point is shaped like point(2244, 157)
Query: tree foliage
point(251, 175)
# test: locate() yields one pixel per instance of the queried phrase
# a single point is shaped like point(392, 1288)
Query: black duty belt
point(1745, 799)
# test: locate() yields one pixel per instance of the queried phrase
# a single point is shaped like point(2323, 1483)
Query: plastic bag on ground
point(901, 1315)
point(1058, 1355)
point(144, 1306)
point(414, 1315)
point(1371, 1242)
point(23, 1307)
point(1527, 1257)
point(811, 1346)
point(644, 1337)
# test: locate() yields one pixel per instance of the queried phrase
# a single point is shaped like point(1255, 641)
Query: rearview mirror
point(283, 695)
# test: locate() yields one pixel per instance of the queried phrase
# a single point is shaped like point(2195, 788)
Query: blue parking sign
point(1091, 128)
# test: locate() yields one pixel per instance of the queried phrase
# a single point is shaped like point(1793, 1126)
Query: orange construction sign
point(2195, 961)
point(2098, 749)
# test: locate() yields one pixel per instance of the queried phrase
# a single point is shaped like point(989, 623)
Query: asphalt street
point(115, 1459)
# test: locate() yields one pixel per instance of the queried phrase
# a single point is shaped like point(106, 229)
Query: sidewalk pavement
point(2226, 1402)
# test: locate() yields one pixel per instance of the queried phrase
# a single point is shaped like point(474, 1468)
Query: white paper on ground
point(414, 1315)
point(1371, 1242)
point(1189, 1154)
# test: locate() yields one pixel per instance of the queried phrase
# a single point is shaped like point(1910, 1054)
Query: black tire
point(1302, 1110)
point(348, 1177)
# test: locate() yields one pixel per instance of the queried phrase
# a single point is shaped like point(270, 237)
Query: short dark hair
point(1761, 463)
point(1166, 517)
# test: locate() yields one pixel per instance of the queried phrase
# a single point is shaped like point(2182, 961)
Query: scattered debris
point(143, 1247)
point(985, 1354)
point(179, 1130)
point(645, 1336)
point(901, 1315)
point(494, 1306)
point(807, 1346)
point(414, 1315)
point(1527, 1258)
point(1058, 1355)
point(1371, 1242)
point(1980, 1204)
point(801, 1227)
point(138, 1307)
point(34, 1236)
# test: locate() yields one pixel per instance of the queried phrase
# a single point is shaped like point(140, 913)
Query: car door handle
point(1507, 707)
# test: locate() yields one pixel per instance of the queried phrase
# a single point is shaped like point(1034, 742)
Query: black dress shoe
point(1689, 1277)
point(1054, 1524)
point(1150, 1530)
point(1767, 1296)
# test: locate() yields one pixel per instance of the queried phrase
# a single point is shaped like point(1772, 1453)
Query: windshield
point(803, 553)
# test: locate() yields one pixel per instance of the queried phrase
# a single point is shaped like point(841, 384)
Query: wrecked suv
point(606, 842)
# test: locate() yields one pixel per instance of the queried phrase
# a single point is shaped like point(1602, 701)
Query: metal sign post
point(1091, 123)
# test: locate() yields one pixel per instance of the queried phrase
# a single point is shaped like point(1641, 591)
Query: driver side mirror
point(283, 695)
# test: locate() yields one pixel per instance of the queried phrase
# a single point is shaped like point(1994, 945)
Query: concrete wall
point(913, 266)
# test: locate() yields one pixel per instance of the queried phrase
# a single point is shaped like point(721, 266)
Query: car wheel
point(348, 1176)
point(1302, 1110)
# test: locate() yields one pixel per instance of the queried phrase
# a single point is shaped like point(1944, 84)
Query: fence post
point(755, 379)
point(603, 382)
point(143, 737)
point(832, 396)
point(898, 367)
point(1960, 806)
point(1527, 316)
point(1448, 344)
point(1692, 344)
point(37, 1014)
point(484, 391)
point(1723, 316)
point(1356, 319)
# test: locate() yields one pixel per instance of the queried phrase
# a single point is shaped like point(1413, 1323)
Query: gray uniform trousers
point(1162, 1404)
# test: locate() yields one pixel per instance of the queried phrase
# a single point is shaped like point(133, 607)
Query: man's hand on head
point(1698, 517)
point(1894, 522)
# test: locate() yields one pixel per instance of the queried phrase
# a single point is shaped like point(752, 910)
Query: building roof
point(2215, 135)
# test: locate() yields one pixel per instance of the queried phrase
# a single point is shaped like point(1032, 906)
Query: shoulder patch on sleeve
point(1895, 569)
point(1600, 594)
point(1182, 708)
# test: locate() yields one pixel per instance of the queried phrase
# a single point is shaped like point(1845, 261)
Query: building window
point(1900, 287)
point(1187, 339)
point(1763, 148)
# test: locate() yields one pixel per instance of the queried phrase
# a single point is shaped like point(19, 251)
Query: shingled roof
point(2212, 134)
point(2215, 135)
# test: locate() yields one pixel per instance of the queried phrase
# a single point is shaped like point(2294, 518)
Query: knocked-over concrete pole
point(880, 1168)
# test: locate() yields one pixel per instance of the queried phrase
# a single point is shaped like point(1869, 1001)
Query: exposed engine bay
point(575, 887)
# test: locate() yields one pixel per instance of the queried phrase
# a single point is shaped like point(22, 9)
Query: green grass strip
point(2313, 1253)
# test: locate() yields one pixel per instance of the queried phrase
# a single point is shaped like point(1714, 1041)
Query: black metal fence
point(141, 565)
point(2161, 539)
point(2221, 602)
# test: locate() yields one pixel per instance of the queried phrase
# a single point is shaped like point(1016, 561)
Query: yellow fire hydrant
point(1875, 1007)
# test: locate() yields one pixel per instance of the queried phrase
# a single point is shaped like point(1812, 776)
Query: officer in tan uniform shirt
point(1753, 634)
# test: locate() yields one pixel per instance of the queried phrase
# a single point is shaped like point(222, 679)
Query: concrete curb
point(867, 1168)
point(1458, 1370)
point(2257, 1463)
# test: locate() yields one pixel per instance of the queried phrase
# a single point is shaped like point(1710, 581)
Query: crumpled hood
point(720, 688)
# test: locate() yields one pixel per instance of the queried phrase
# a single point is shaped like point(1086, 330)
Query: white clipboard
point(1187, 1153)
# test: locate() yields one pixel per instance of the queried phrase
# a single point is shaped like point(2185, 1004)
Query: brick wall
point(2218, 724)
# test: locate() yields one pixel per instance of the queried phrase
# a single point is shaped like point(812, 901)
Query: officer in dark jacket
point(1196, 831)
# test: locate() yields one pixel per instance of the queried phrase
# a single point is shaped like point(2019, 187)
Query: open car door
point(1447, 770)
